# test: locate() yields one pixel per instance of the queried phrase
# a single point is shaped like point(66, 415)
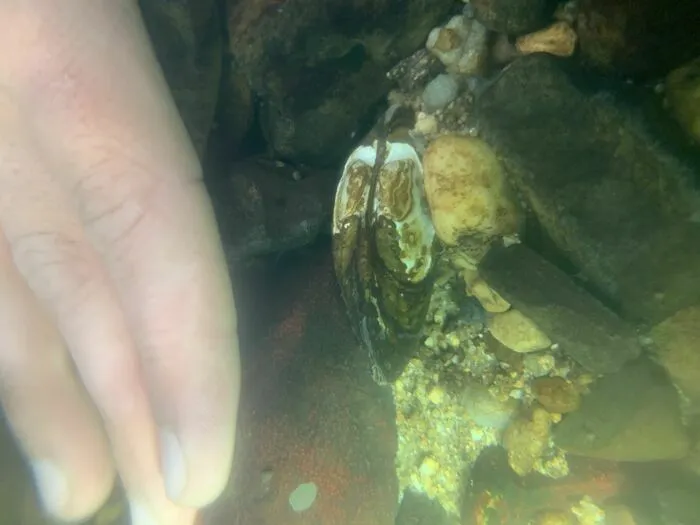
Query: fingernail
point(51, 485)
point(173, 465)
point(140, 515)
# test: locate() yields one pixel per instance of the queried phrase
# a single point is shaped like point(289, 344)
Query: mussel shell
point(383, 252)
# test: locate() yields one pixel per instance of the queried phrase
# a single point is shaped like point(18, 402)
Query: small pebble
point(428, 467)
point(302, 497)
point(453, 340)
point(556, 394)
point(538, 365)
point(439, 92)
point(437, 395)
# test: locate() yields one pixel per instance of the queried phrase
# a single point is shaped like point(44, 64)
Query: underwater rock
point(558, 39)
point(632, 415)
point(188, 42)
point(555, 517)
point(497, 492)
point(515, 331)
point(643, 39)
point(678, 350)
point(461, 45)
point(584, 329)
point(678, 502)
point(418, 509)
point(467, 190)
point(265, 207)
point(319, 67)
point(683, 97)
point(513, 17)
point(415, 71)
point(556, 394)
point(526, 439)
point(439, 92)
point(538, 365)
point(488, 298)
point(485, 409)
point(615, 201)
point(618, 514)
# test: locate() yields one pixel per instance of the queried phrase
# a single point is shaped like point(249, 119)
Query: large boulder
point(318, 67)
point(617, 202)
point(642, 39)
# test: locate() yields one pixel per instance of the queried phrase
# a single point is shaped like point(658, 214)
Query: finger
point(180, 304)
point(137, 184)
point(55, 258)
point(161, 244)
point(57, 429)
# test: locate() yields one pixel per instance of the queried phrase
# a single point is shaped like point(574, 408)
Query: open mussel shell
point(383, 252)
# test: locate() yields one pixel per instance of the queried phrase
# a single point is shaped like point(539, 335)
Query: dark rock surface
point(514, 17)
point(615, 200)
point(586, 330)
point(266, 207)
point(418, 509)
point(318, 67)
point(632, 415)
point(642, 39)
point(525, 499)
point(188, 41)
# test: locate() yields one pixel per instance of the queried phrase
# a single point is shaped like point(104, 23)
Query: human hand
point(118, 346)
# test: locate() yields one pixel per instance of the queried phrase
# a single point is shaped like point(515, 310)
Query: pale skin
point(118, 343)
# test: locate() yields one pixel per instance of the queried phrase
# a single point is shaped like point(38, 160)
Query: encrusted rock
point(513, 17)
point(461, 45)
point(556, 394)
point(517, 332)
point(615, 199)
point(526, 439)
point(678, 343)
point(466, 189)
point(558, 39)
point(415, 71)
point(641, 39)
point(585, 329)
point(632, 415)
point(489, 299)
point(683, 97)
point(319, 67)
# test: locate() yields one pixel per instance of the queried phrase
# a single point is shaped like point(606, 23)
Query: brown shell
point(383, 251)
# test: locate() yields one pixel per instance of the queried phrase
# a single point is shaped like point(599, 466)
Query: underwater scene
point(464, 239)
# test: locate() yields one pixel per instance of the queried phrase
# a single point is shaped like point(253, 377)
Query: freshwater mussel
point(384, 252)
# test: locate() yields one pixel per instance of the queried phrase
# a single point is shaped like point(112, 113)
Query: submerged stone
point(616, 201)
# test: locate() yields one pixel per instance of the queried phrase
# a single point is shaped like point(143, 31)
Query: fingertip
point(195, 475)
point(197, 454)
point(52, 487)
point(62, 496)
point(173, 464)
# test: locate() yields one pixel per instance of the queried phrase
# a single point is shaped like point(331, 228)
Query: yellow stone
point(559, 39)
point(489, 298)
point(466, 189)
point(517, 332)
point(437, 395)
point(678, 343)
point(683, 97)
